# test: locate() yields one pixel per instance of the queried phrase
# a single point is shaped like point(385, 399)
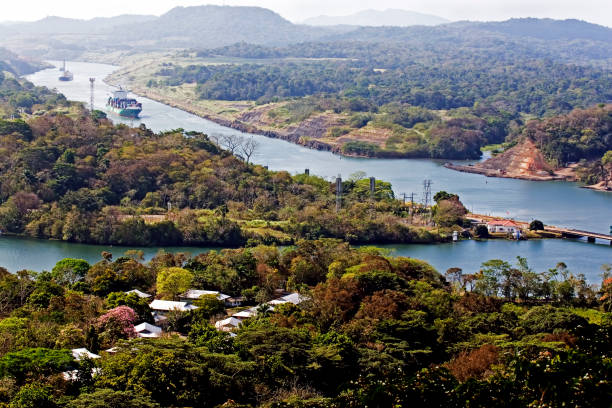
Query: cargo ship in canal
point(120, 104)
point(66, 75)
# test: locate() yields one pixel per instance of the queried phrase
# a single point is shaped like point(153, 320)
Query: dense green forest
point(373, 331)
point(74, 177)
point(396, 74)
point(466, 94)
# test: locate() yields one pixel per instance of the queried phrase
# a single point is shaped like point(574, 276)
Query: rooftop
point(194, 294)
point(139, 293)
point(504, 223)
point(167, 305)
point(81, 353)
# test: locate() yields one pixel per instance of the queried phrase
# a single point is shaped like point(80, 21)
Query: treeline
point(532, 86)
point(85, 180)
point(16, 94)
point(374, 331)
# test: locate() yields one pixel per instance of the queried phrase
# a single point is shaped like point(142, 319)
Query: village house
point(294, 298)
point(194, 294)
point(161, 308)
point(228, 324)
point(138, 293)
point(503, 226)
point(246, 314)
point(147, 330)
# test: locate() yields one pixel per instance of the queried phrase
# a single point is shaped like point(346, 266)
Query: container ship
point(120, 104)
point(66, 75)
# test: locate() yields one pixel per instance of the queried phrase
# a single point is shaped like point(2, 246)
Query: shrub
point(475, 363)
point(536, 225)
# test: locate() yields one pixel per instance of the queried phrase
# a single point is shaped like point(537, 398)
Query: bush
point(536, 225)
point(482, 231)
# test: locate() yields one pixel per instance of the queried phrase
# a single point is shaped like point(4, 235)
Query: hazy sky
point(596, 11)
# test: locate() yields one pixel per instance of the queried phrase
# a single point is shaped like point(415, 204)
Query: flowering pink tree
point(117, 323)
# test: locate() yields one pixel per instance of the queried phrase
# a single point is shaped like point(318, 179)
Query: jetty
point(574, 233)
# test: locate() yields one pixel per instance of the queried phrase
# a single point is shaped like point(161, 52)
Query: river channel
point(556, 203)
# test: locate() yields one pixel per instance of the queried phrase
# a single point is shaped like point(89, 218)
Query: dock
point(574, 233)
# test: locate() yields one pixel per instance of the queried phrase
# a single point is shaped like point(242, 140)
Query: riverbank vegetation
point(373, 330)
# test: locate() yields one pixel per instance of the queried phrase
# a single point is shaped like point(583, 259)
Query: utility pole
point(372, 187)
point(426, 192)
point(338, 193)
point(91, 96)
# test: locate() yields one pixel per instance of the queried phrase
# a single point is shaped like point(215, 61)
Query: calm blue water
point(580, 257)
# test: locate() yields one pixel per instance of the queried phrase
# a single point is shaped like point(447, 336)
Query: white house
point(161, 308)
point(147, 330)
point(246, 314)
point(81, 353)
point(504, 226)
point(139, 293)
point(294, 298)
point(228, 324)
point(194, 294)
point(165, 306)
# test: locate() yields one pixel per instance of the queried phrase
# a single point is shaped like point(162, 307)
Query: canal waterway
point(555, 203)
point(580, 257)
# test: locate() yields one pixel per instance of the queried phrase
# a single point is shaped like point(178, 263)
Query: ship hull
point(125, 112)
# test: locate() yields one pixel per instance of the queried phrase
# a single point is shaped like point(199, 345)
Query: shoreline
point(501, 174)
point(322, 146)
point(241, 126)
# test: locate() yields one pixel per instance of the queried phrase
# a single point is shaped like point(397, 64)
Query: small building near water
point(504, 226)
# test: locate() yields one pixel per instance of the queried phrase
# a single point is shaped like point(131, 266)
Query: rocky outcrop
point(523, 161)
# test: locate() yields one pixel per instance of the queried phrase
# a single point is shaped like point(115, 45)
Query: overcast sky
point(596, 11)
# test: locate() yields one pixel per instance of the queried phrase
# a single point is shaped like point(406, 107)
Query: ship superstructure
point(66, 75)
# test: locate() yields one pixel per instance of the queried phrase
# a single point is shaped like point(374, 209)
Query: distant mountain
point(211, 26)
point(61, 25)
point(549, 29)
point(377, 18)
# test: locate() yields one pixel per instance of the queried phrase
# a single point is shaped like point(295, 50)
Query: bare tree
point(232, 142)
point(249, 147)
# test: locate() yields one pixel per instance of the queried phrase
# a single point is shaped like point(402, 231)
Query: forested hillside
point(10, 62)
point(70, 176)
point(580, 134)
point(438, 98)
point(369, 331)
